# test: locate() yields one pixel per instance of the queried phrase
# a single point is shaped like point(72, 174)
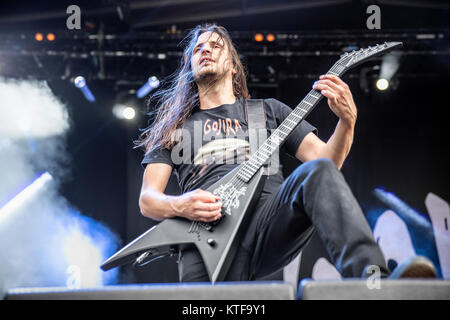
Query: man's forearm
point(156, 205)
point(338, 146)
point(341, 102)
point(198, 205)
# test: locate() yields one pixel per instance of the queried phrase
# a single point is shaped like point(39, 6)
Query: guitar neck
point(279, 136)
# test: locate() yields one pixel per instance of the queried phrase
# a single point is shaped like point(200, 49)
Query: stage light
point(124, 111)
point(151, 84)
point(25, 195)
point(259, 37)
point(129, 113)
point(39, 36)
point(389, 66)
point(376, 78)
point(270, 37)
point(382, 84)
point(80, 83)
point(50, 37)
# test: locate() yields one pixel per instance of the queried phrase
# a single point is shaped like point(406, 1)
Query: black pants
point(314, 197)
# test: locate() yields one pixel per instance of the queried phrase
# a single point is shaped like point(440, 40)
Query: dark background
point(401, 137)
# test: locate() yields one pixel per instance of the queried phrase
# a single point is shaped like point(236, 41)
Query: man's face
point(210, 57)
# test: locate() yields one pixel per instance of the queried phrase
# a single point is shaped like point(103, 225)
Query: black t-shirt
point(215, 141)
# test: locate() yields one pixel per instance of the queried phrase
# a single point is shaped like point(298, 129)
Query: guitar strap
point(257, 131)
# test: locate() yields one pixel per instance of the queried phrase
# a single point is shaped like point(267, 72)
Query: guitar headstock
point(351, 59)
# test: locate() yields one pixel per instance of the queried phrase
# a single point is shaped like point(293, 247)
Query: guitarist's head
point(212, 57)
point(209, 58)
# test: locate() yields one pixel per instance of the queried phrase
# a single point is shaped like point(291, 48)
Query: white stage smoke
point(29, 109)
point(43, 240)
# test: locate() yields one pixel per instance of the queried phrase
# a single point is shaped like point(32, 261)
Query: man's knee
point(323, 164)
point(316, 166)
point(312, 173)
point(316, 172)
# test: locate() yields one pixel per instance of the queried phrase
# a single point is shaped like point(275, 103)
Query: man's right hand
point(197, 205)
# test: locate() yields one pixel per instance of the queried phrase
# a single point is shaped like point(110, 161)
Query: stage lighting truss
point(125, 56)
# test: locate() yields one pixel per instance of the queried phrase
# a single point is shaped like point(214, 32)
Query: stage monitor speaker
point(198, 291)
point(407, 289)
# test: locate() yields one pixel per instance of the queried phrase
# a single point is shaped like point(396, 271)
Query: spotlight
point(25, 195)
point(128, 113)
point(39, 36)
point(259, 37)
point(50, 37)
point(389, 66)
point(371, 79)
point(270, 37)
point(151, 84)
point(80, 83)
point(122, 111)
point(382, 84)
point(127, 105)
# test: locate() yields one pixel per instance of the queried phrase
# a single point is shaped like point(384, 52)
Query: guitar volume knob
point(211, 242)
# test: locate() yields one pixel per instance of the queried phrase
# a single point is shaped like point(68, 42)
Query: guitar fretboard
point(266, 150)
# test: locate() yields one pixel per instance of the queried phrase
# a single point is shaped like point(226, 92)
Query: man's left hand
point(340, 98)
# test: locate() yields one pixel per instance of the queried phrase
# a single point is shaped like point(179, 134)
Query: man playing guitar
point(204, 110)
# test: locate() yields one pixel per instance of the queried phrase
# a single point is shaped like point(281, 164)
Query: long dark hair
point(175, 103)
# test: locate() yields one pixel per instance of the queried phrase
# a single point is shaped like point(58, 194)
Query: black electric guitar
point(239, 191)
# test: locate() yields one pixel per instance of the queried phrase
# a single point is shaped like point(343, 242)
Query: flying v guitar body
point(216, 243)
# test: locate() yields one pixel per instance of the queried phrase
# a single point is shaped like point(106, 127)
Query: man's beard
point(209, 78)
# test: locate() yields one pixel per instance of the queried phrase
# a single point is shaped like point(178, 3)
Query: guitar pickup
point(209, 226)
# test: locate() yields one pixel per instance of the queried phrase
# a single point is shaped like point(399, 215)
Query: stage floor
point(264, 290)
